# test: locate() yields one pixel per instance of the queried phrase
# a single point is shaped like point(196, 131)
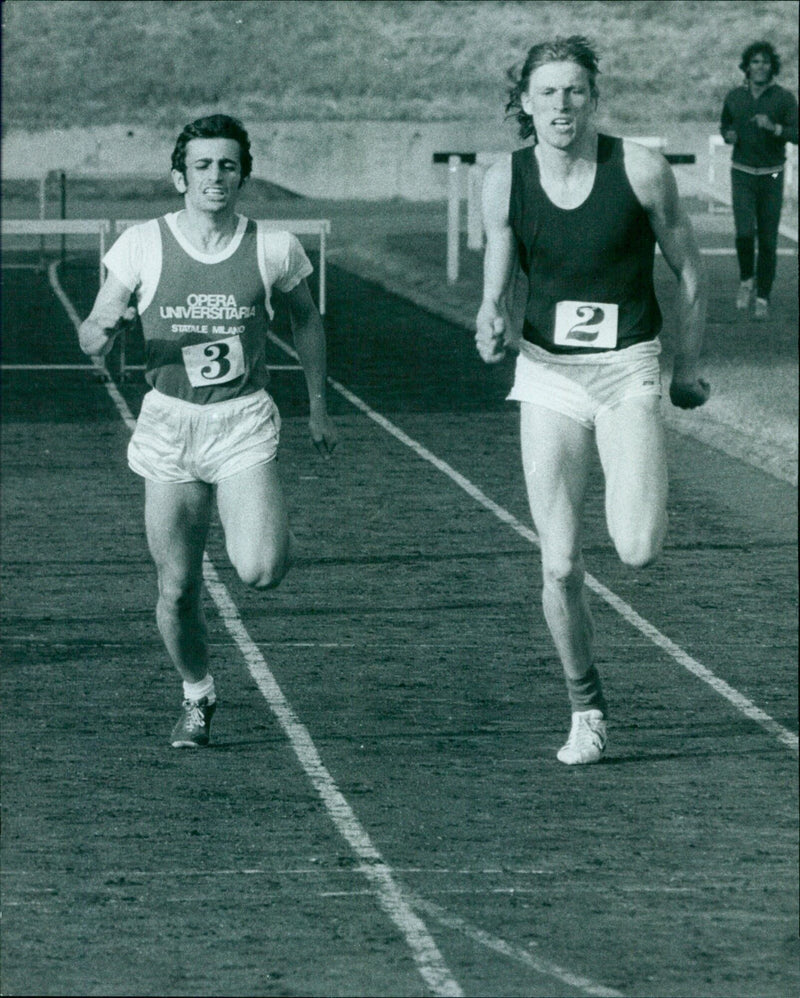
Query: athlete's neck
point(577, 159)
point(210, 233)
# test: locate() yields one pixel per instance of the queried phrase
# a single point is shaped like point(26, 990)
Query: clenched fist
point(689, 395)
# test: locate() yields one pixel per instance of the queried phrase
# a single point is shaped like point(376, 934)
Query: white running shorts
point(583, 386)
point(177, 441)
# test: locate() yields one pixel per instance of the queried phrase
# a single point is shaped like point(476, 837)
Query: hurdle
point(42, 227)
point(320, 227)
point(478, 163)
point(717, 145)
point(35, 232)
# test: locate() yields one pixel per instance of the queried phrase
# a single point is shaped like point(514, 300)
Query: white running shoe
point(587, 739)
point(761, 310)
point(744, 296)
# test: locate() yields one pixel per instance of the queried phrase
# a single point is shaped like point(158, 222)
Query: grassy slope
point(79, 62)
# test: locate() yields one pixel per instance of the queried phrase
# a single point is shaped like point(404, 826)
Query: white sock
point(196, 691)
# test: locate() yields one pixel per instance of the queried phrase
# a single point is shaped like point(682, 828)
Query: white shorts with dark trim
point(584, 386)
point(176, 441)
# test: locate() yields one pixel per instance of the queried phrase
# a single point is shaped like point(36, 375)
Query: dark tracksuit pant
point(757, 203)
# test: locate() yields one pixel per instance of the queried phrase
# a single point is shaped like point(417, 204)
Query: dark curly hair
point(214, 126)
point(575, 48)
point(760, 48)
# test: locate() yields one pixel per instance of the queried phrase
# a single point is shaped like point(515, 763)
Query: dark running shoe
point(193, 725)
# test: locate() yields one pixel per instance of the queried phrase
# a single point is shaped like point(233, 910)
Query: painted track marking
point(372, 866)
point(739, 700)
point(390, 896)
point(399, 904)
point(517, 953)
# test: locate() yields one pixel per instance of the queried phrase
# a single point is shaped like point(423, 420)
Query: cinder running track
point(381, 811)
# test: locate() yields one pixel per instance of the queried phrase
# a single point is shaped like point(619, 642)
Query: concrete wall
point(348, 160)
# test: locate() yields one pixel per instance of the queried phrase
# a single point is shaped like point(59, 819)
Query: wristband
point(779, 129)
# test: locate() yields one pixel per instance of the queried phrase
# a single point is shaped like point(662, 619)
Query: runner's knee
point(263, 573)
point(177, 595)
point(638, 548)
point(562, 573)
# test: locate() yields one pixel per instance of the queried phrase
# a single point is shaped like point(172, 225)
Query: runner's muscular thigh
point(632, 448)
point(556, 457)
point(177, 517)
point(255, 520)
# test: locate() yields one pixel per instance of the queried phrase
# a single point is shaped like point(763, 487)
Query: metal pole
point(102, 254)
point(63, 179)
point(475, 176)
point(453, 213)
point(322, 269)
point(711, 173)
point(42, 215)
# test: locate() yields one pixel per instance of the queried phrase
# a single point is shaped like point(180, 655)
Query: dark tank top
point(205, 330)
point(590, 268)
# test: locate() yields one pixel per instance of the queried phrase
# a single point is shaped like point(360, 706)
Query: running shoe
point(587, 739)
point(744, 296)
point(192, 728)
point(761, 310)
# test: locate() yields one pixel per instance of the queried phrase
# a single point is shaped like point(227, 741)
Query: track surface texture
point(410, 645)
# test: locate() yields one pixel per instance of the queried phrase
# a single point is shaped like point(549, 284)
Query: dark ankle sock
point(586, 693)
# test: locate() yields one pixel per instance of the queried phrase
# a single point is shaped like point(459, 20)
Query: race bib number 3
point(586, 324)
point(213, 363)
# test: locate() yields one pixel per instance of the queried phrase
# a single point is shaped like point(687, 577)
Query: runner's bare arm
point(654, 184)
point(500, 254)
point(110, 313)
point(309, 339)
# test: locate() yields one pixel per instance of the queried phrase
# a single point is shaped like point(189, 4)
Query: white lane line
point(397, 903)
point(516, 953)
point(731, 251)
point(111, 388)
point(392, 899)
point(270, 367)
point(48, 367)
point(429, 960)
point(741, 702)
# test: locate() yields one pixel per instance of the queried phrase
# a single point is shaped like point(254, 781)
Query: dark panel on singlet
point(600, 252)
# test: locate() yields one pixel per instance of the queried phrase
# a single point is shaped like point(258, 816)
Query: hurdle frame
point(60, 227)
point(320, 227)
point(43, 227)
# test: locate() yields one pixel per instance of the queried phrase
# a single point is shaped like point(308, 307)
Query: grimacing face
point(559, 98)
point(213, 174)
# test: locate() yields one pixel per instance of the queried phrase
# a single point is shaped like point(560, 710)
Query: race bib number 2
point(214, 363)
point(586, 324)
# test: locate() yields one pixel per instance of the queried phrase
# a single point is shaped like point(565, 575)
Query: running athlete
point(582, 212)
point(758, 119)
point(203, 279)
